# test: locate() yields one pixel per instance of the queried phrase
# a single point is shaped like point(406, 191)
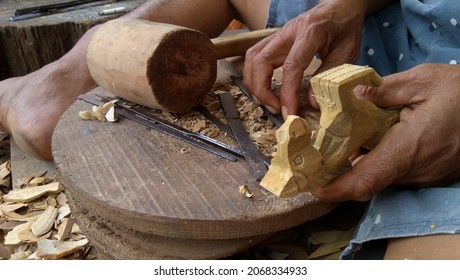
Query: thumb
point(374, 172)
point(394, 92)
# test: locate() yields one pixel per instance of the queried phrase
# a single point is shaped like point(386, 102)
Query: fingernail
point(271, 109)
point(284, 111)
point(359, 90)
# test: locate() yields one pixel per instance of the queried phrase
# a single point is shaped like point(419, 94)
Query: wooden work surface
point(139, 178)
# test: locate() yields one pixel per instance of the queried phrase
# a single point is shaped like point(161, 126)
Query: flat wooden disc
point(139, 178)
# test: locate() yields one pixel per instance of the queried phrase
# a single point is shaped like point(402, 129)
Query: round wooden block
point(161, 66)
point(139, 180)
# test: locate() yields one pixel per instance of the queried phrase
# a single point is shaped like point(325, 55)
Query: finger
point(256, 88)
point(312, 99)
point(261, 61)
point(298, 59)
point(393, 92)
point(373, 172)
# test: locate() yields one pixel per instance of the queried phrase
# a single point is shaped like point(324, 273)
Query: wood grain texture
point(139, 178)
point(28, 45)
point(158, 65)
point(307, 160)
point(116, 241)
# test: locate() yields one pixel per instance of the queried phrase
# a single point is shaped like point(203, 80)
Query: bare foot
point(31, 106)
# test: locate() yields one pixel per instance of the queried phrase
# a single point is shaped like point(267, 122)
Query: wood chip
point(99, 112)
point(330, 236)
point(51, 201)
point(111, 116)
point(27, 236)
point(11, 207)
point(105, 108)
point(245, 191)
point(63, 212)
point(45, 222)
point(54, 249)
point(31, 193)
point(199, 125)
point(61, 199)
point(38, 181)
point(12, 238)
point(76, 229)
point(65, 229)
point(13, 216)
point(5, 182)
point(5, 169)
point(38, 205)
point(328, 249)
point(90, 115)
point(21, 182)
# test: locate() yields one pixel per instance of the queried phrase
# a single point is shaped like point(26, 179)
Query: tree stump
point(28, 45)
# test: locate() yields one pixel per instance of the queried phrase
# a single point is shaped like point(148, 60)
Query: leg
point(253, 13)
point(430, 247)
point(31, 106)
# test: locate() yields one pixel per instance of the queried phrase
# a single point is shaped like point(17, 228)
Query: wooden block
point(31, 193)
point(12, 238)
point(45, 222)
point(346, 124)
point(65, 229)
point(54, 249)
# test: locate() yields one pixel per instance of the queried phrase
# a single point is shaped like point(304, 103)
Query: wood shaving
point(36, 222)
point(245, 191)
point(104, 112)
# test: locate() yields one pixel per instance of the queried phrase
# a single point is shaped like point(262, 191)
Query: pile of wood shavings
point(35, 220)
point(260, 129)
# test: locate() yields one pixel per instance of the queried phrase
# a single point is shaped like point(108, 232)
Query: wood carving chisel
point(44, 10)
point(158, 127)
point(276, 119)
point(216, 121)
point(255, 159)
point(146, 113)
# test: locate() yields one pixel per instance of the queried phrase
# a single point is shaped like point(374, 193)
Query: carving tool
point(276, 119)
point(176, 133)
point(256, 160)
point(216, 121)
point(44, 10)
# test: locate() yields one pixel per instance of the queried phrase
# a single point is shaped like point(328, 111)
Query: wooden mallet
point(159, 65)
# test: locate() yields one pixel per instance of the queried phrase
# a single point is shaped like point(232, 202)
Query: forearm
point(218, 14)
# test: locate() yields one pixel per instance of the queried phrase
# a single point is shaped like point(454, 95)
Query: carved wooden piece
point(159, 65)
point(346, 124)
